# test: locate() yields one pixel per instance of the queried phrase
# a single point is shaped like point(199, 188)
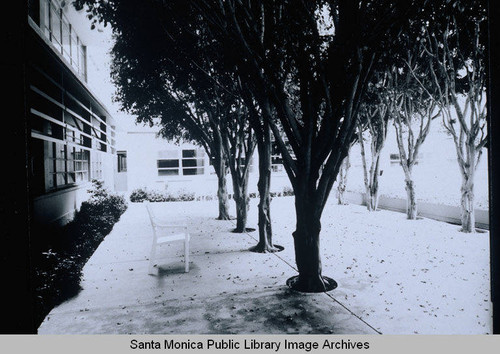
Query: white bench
point(165, 233)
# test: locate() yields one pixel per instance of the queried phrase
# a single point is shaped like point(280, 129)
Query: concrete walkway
point(228, 290)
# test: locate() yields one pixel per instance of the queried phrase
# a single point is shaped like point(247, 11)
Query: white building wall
point(142, 147)
point(437, 176)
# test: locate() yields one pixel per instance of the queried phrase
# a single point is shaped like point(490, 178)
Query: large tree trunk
point(307, 248)
point(342, 185)
point(411, 201)
point(265, 229)
point(467, 202)
point(222, 194)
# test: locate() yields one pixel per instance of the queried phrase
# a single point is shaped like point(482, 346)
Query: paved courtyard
point(395, 276)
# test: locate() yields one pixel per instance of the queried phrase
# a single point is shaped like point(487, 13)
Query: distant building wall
point(156, 163)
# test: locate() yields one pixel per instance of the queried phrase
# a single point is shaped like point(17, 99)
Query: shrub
point(138, 195)
point(59, 254)
point(287, 191)
point(184, 196)
point(156, 196)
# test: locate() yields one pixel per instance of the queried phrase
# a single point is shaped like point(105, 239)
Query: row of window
point(62, 35)
point(56, 165)
point(181, 163)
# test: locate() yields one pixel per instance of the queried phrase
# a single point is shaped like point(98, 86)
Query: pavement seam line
point(330, 296)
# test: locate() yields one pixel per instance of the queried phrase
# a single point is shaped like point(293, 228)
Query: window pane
point(193, 153)
point(44, 5)
point(189, 163)
point(61, 165)
point(60, 151)
point(188, 153)
point(83, 61)
point(66, 40)
point(192, 171)
point(173, 172)
point(71, 166)
point(74, 50)
point(61, 179)
point(168, 163)
point(55, 26)
point(168, 154)
point(122, 161)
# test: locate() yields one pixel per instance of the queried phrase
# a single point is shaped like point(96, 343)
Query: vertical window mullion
point(49, 8)
point(61, 32)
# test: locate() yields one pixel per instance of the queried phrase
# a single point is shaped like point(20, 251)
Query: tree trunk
point(265, 229)
point(372, 196)
point(341, 188)
point(370, 177)
point(307, 248)
point(467, 204)
point(222, 190)
point(241, 199)
point(411, 201)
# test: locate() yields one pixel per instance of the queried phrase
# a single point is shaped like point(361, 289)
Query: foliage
point(305, 63)
point(59, 253)
point(287, 191)
point(138, 195)
point(141, 194)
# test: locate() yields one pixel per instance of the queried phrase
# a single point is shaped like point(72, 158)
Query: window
point(193, 162)
point(394, 158)
point(65, 165)
point(66, 39)
point(60, 33)
point(122, 161)
point(82, 69)
point(188, 162)
point(55, 26)
point(81, 161)
point(168, 163)
point(96, 165)
point(74, 49)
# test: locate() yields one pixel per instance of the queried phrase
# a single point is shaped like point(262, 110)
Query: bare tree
point(456, 54)
point(238, 142)
point(413, 109)
point(375, 113)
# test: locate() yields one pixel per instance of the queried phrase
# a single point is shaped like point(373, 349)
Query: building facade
point(71, 133)
point(149, 161)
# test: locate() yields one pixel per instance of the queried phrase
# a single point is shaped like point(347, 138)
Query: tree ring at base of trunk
point(261, 249)
point(247, 229)
point(294, 284)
